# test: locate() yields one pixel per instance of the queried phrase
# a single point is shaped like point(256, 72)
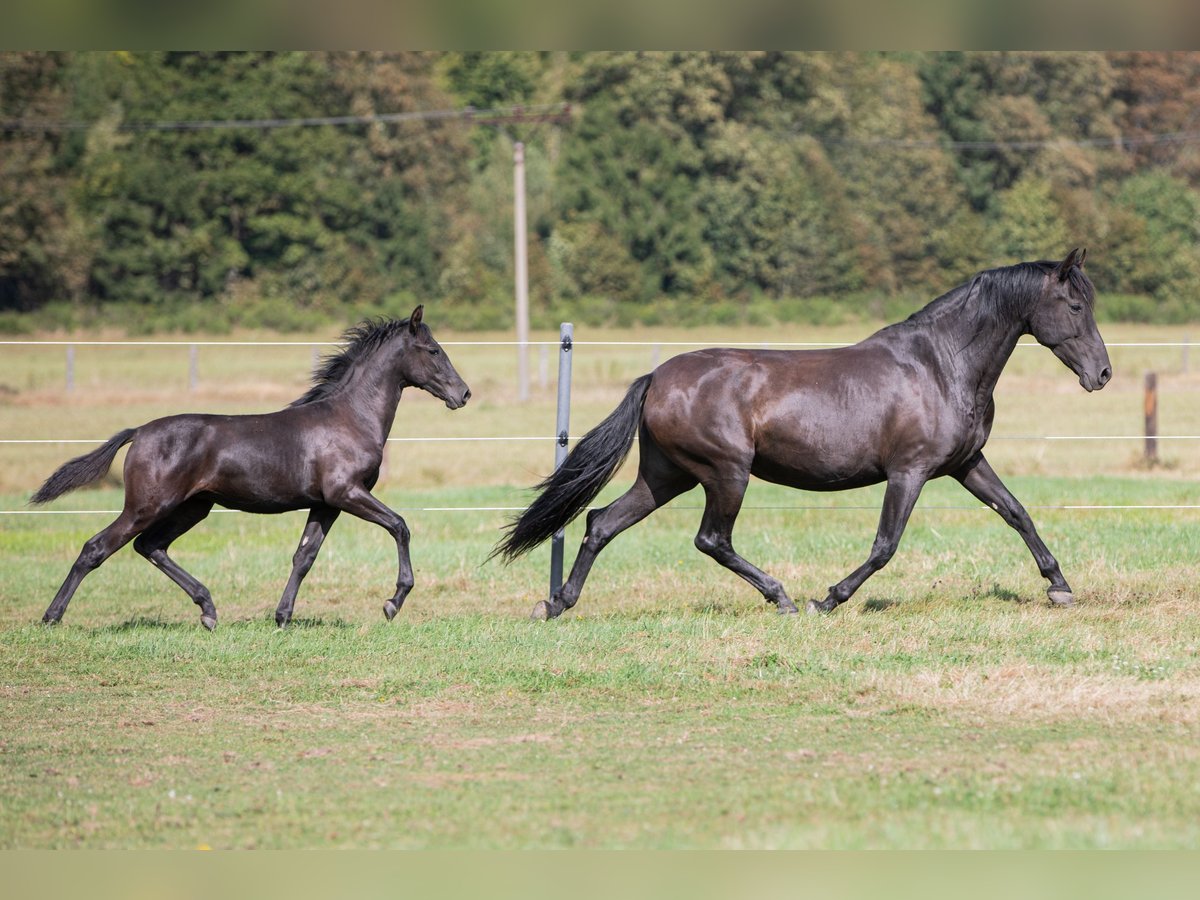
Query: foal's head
point(422, 363)
point(1063, 319)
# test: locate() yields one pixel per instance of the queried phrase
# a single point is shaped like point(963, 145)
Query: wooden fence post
point(1151, 409)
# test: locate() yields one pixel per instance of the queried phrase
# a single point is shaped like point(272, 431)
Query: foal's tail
point(574, 484)
point(83, 469)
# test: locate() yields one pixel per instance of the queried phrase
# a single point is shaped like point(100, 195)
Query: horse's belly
point(244, 503)
point(815, 474)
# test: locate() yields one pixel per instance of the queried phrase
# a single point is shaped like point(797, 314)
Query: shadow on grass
point(998, 593)
point(878, 604)
point(145, 623)
point(303, 622)
point(705, 607)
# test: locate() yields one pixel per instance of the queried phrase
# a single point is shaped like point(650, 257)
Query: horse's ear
point(1074, 258)
point(414, 321)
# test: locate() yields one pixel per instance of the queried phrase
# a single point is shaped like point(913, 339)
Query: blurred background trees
point(700, 186)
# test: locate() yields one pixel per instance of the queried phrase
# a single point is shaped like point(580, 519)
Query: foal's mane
point(358, 342)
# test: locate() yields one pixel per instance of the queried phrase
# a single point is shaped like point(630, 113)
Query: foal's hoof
point(209, 622)
point(390, 609)
point(1060, 597)
point(541, 611)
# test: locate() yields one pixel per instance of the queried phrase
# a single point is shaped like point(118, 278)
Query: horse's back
point(814, 419)
point(252, 462)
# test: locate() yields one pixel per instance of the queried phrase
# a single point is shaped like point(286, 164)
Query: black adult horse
point(322, 453)
point(910, 403)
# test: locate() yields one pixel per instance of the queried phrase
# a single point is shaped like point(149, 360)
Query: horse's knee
point(709, 543)
point(92, 554)
point(882, 553)
point(597, 534)
point(304, 557)
point(143, 546)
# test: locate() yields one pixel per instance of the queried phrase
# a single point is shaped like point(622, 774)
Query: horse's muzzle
point(1096, 382)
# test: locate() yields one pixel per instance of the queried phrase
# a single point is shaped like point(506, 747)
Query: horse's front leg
point(903, 488)
point(358, 501)
point(978, 477)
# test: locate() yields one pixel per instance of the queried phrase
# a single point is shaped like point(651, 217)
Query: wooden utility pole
point(522, 271)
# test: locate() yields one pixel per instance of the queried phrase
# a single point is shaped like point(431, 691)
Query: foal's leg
point(358, 501)
point(903, 488)
point(154, 541)
point(722, 501)
point(656, 484)
point(97, 549)
point(978, 477)
point(320, 520)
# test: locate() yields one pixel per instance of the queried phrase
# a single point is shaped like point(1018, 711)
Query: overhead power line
point(561, 113)
point(501, 115)
point(1175, 137)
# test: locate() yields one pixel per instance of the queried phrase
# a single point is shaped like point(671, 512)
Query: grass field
point(945, 706)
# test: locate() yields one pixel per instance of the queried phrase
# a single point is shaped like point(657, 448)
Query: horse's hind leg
point(722, 501)
point(898, 502)
point(97, 549)
point(153, 542)
point(658, 482)
point(320, 520)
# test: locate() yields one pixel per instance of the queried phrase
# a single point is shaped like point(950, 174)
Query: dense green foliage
point(684, 187)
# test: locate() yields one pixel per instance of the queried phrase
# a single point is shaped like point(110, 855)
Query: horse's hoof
point(282, 622)
point(788, 609)
point(49, 622)
point(209, 622)
point(541, 611)
point(1060, 597)
point(818, 609)
point(390, 609)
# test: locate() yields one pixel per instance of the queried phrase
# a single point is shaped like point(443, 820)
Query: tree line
point(682, 187)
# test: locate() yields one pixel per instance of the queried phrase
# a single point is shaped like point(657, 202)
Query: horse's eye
point(1076, 307)
point(434, 351)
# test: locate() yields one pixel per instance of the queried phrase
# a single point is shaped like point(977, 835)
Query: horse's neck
point(973, 343)
point(372, 395)
point(981, 345)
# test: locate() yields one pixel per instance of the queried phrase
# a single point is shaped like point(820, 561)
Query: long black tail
point(588, 468)
point(83, 469)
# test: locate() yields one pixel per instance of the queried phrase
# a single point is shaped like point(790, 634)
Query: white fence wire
point(653, 345)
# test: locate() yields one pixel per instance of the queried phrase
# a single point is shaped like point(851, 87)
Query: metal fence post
point(566, 336)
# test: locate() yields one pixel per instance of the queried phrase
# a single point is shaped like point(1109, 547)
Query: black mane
point(1003, 292)
point(359, 342)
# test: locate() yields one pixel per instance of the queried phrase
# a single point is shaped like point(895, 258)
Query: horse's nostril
point(466, 395)
point(1105, 375)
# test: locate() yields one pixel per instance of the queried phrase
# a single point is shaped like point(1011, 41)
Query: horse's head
point(1064, 320)
point(425, 365)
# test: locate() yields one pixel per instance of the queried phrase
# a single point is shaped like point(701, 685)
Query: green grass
point(947, 705)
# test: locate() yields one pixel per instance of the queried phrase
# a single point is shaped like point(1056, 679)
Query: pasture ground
point(947, 705)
